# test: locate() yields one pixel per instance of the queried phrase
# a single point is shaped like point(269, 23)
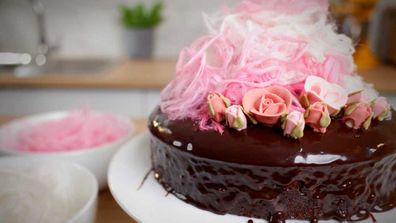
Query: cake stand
point(147, 202)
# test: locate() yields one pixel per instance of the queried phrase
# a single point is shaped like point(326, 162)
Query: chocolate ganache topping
point(260, 145)
point(342, 175)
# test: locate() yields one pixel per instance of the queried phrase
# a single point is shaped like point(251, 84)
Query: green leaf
point(383, 115)
point(304, 100)
point(351, 108)
point(155, 14)
point(226, 101)
point(211, 109)
point(306, 114)
point(238, 123)
point(138, 16)
point(367, 123)
point(325, 120)
point(298, 132)
point(252, 120)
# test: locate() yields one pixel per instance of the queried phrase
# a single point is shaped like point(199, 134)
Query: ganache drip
point(260, 177)
point(278, 217)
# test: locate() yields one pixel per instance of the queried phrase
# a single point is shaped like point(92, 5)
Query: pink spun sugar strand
point(257, 44)
point(81, 129)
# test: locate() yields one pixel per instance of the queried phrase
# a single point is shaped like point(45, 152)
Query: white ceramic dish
point(150, 205)
point(96, 159)
point(46, 191)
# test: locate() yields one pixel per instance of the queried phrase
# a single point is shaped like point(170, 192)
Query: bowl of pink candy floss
point(83, 136)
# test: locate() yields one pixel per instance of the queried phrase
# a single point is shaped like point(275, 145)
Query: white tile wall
point(91, 27)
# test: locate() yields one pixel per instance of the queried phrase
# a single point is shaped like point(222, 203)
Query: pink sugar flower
point(355, 97)
point(294, 125)
point(317, 89)
point(217, 105)
point(381, 109)
point(317, 116)
point(267, 105)
point(358, 115)
point(235, 117)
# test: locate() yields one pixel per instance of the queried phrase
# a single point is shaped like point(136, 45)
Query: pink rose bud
point(317, 89)
point(317, 116)
point(355, 97)
point(217, 105)
point(267, 105)
point(294, 125)
point(235, 117)
point(358, 115)
point(381, 109)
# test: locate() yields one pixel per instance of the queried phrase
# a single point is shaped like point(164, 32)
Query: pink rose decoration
point(235, 117)
point(381, 109)
point(317, 89)
point(294, 125)
point(317, 116)
point(358, 115)
point(355, 97)
point(267, 105)
point(217, 105)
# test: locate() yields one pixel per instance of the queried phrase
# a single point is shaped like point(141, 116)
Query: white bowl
point(46, 190)
point(96, 159)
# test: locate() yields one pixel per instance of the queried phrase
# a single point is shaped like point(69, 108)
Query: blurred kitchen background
point(64, 54)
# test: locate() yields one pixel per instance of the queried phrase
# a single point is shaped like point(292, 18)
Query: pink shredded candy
point(81, 129)
point(257, 44)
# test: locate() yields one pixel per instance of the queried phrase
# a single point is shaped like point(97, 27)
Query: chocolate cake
point(258, 173)
point(268, 118)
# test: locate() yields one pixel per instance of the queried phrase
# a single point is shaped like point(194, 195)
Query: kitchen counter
point(155, 74)
point(138, 74)
point(108, 209)
point(383, 78)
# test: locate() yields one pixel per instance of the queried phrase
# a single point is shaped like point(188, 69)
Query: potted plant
point(139, 23)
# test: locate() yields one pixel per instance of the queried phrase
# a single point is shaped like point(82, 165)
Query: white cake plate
point(151, 205)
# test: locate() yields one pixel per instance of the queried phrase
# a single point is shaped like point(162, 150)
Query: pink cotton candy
point(282, 6)
point(81, 129)
point(257, 44)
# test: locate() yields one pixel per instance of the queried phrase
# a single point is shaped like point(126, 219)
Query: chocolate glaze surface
point(343, 174)
point(259, 145)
